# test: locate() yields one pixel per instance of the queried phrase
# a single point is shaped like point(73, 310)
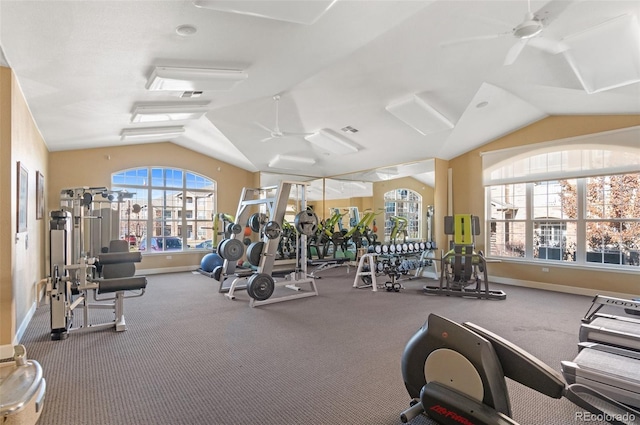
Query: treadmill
point(613, 371)
point(609, 351)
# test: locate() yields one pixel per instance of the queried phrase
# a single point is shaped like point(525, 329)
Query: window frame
point(192, 183)
point(581, 249)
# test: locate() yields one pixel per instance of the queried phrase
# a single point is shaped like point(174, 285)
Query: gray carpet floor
point(191, 356)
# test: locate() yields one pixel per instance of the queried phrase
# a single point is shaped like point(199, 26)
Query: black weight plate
point(272, 230)
point(234, 228)
point(260, 286)
point(232, 250)
point(254, 253)
point(254, 222)
point(217, 273)
point(306, 222)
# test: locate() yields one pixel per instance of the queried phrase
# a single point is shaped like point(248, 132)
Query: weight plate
point(260, 286)
point(232, 250)
point(234, 228)
point(405, 247)
point(217, 273)
point(385, 249)
point(255, 221)
point(254, 253)
point(220, 248)
point(428, 245)
point(272, 230)
point(392, 248)
point(399, 247)
point(378, 249)
point(422, 246)
point(306, 222)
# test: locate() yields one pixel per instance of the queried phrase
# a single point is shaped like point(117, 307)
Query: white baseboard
point(142, 272)
point(6, 351)
point(557, 288)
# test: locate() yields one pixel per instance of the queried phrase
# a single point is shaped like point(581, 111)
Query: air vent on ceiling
point(191, 94)
point(349, 129)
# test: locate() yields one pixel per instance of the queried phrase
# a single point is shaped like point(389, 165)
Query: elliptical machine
point(455, 374)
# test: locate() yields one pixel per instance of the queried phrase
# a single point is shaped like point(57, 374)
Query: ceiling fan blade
point(548, 45)
point(288, 133)
point(471, 39)
point(266, 139)
point(515, 50)
point(550, 11)
point(265, 128)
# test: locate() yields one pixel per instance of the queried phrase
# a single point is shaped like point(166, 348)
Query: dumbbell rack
point(426, 261)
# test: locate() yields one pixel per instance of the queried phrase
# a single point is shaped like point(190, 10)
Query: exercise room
point(319, 212)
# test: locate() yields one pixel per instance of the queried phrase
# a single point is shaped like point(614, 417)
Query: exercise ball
point(210, 262)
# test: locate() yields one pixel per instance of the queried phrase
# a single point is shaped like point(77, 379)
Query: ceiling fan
point(275, 132)
point(528, 31)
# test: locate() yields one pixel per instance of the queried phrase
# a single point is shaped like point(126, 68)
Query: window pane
point(133, 216)
point(508, 201)
point(555, 199)
point(507, 238)
point(555, 240)
point(613, 242)
point(199, 212)
point(196, 181)
point(135, 177)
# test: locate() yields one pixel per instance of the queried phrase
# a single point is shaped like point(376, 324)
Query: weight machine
point(78, 274)
point(464, 271)
point(260, 283)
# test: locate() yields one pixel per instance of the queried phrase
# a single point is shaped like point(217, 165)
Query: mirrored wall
point(399, 196)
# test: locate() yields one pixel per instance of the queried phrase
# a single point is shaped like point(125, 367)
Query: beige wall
point(23, 257)
point(93, 167)
point(468, 197)
point(24, 263)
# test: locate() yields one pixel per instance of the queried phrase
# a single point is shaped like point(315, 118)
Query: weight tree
point(260, 284)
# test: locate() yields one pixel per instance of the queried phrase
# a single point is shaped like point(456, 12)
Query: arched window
point(169, 209)
point(575, 201)
point(403, 207)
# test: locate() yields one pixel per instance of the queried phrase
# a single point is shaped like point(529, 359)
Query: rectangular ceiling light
point(175, 112)
point(419, 115)
point(151, 133)
point(297, 12)
point(194, 79)
point(333, 142)
point(606, 56)
point(288, 162)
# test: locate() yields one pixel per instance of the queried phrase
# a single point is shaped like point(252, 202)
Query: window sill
point(573, 265)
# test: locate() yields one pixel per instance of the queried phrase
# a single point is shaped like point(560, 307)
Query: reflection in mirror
point(399, 195)
point(403, 192)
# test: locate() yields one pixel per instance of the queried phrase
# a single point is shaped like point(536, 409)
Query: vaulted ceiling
point(337, 66)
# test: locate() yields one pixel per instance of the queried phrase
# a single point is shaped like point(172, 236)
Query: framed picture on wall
point(23, 197)
point(39, 195)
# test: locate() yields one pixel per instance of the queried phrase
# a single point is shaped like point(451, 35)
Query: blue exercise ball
point(210, 262)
